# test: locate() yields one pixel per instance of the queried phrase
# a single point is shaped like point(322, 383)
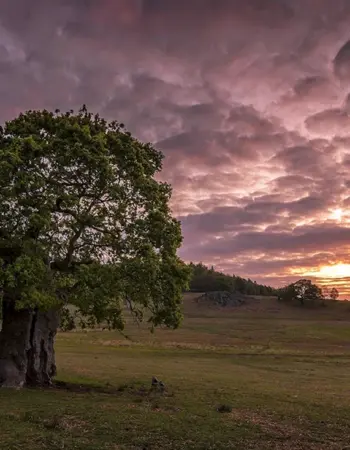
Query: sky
point(248, 100)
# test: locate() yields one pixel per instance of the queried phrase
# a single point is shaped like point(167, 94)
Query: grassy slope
point(285, 372)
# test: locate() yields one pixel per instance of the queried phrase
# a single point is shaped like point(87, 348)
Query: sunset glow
point(335, 271)
point(337, 214)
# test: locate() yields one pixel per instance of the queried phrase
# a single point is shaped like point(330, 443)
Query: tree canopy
point(83, 221)
point(303, 291)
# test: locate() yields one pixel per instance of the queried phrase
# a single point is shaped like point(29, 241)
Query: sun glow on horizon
point(335, 271)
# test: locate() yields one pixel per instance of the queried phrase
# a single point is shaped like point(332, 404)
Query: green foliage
point(83, 220)
point(206, 280)
point(303, 291)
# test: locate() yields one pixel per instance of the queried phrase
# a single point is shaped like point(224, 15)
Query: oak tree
point(303, 291)
point(83, 222)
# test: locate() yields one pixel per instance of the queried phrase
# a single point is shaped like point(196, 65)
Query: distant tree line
point(205, 279)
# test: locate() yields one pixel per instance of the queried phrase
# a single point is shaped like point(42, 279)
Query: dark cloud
point(263, 265)
point(261, 212)
point(256, 242)
point(292, 181)
point(342, 62)
point(305, 160)
point(309, 85)
point(331, 122)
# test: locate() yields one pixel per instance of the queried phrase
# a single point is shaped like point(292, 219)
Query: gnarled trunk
point(27, 354)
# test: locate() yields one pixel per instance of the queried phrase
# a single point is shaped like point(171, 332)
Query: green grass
point(283, 372)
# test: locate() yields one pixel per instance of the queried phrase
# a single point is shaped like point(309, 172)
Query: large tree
point(84, 222)
point(304, 291)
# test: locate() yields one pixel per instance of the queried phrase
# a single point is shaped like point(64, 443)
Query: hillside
point(205, 279)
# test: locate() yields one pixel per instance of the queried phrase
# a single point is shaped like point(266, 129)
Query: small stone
point(224, 409)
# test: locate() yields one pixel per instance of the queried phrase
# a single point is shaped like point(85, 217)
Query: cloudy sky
point(248, 100)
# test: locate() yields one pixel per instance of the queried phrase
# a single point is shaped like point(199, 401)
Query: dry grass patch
point(66, 423)
point(267, 423)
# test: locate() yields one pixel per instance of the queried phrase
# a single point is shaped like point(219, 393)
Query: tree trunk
point(27, 354)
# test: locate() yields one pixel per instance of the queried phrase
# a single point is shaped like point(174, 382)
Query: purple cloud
point(249, 101)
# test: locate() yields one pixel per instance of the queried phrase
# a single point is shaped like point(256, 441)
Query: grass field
point(284, 371)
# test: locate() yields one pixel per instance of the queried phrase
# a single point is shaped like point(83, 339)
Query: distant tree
point(334, 294)
point(304, 291)
point(264, 291)
point(241, 285)
point(287, 293)
point(83, 221)
point(325, 291)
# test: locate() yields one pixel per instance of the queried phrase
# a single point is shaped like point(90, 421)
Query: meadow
point(279, 375)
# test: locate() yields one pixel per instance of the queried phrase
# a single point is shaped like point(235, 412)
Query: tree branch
point(83, 223)
point(61, 266)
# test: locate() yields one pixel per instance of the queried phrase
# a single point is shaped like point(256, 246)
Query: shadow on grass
point(85, 388)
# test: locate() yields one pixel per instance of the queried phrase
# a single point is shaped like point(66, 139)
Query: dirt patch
point(68, 423)
point(268, 424)
point(283, 435)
